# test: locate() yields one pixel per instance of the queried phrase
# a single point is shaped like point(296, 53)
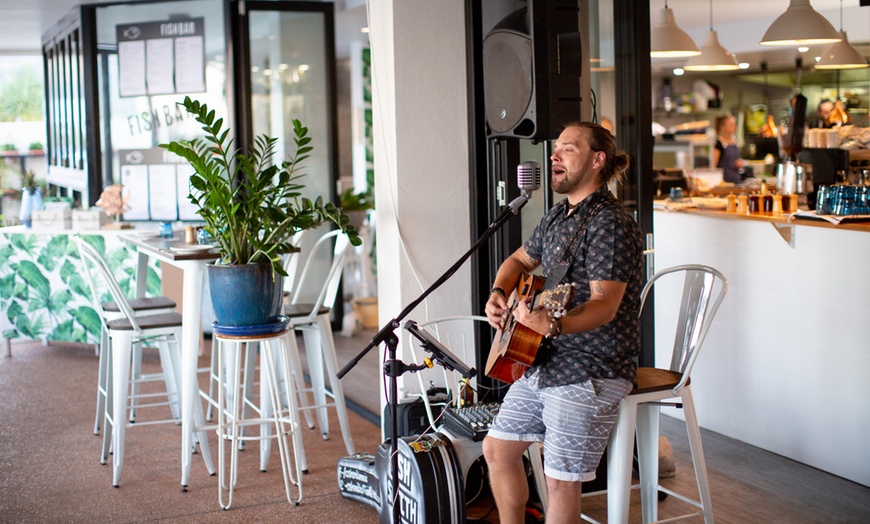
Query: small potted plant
point(251, 208)
point(36, 148)
point(357, 205)
point(9, 149)
point(31, 197)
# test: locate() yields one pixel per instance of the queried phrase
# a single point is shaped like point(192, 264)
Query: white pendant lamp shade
point(668, 40)
point(800, 25)
point(713, 57)
point(842, 56)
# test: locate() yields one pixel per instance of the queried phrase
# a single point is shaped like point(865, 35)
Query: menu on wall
point(160, 58)
point(156, 185)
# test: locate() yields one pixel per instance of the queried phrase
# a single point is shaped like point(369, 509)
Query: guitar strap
point(560, 271)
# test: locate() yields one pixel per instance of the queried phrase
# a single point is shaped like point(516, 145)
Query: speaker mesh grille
point(507, 79)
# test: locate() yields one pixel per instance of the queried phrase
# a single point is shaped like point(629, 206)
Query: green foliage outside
point(21, 97)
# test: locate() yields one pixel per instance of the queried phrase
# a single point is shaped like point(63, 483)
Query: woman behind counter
point(726, 154)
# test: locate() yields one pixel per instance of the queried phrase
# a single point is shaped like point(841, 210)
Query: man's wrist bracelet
point(498, 290)
point(555, 327)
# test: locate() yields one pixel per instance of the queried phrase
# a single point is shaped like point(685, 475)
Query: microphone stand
point(395, 368)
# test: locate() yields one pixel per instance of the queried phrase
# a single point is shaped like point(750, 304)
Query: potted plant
point(9, 149)
point(357, 205)
point(251, 208)
point(31, 197)
point(35, 148)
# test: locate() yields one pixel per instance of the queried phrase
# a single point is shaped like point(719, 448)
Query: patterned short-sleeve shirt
point(607, 245)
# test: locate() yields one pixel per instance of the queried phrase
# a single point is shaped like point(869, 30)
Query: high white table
point(192, 265)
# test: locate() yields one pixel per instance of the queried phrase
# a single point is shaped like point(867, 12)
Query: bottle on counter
point(767, 207)
point(777, 206)
point(742, 208)
point(756, 204)
point(732, 203)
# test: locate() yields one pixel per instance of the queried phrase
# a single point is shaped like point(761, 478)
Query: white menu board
point(159, 58)
point(135, 191)
point(158, 183)
point(162, 195)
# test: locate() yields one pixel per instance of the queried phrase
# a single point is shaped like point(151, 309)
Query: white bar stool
point(276, 351)
point(703, 290)
point(123, 336)
point(314, 320)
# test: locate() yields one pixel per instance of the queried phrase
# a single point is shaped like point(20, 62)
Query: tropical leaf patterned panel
point(44, 293)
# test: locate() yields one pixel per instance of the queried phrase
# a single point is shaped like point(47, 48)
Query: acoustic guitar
point(515, 345)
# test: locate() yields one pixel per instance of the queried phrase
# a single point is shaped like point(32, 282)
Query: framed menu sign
point(161, 58)
point(156, 185)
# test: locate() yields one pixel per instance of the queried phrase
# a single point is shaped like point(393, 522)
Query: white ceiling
point(740, 23)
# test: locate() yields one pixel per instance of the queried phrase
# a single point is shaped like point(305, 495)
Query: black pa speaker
point(531, 71)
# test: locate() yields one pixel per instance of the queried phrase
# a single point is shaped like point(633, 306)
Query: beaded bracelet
point(555, 327)
point(498, 290)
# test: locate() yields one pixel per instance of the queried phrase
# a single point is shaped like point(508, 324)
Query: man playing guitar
point(568, 398)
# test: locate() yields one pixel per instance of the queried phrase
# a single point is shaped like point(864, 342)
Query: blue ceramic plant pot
point(30, 202)
point(245, 294)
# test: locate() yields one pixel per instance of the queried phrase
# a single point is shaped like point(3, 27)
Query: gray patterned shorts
point(573, 422)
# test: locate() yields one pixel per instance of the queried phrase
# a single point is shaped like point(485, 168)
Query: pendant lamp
point(667, 40)
point(800, 25)
point(713, 56)
point(842, 55)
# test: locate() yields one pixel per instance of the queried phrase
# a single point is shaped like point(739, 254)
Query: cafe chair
point(123, 333)
point(111, 310)
point(275, 346)
point(314, 320)
point(703, 290)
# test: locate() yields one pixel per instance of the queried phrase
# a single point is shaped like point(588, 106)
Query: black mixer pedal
point(473, 421)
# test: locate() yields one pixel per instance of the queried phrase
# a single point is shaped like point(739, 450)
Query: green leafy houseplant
point(250, 206)
point(351, 201)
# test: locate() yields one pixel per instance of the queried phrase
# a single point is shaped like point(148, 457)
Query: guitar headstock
point(555, 300)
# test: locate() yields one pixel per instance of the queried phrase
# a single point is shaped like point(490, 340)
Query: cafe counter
point(44, 294)
point(784, 365)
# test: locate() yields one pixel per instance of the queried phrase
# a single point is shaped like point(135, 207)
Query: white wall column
point(420, 111)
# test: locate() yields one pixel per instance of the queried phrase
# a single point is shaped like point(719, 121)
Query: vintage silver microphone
point(528, 180)
point(529, 176)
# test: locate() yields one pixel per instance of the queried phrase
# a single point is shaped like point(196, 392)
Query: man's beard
point(566, 184)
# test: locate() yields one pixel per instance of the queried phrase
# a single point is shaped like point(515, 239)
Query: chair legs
point(700, 464)
point(102, 380)
point(642, 419)
point(118, 355)
point(321, 352)
point(620, 450)
point(122, 347)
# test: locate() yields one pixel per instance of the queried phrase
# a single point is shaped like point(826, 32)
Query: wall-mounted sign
point(156, 185)
point(161, 58)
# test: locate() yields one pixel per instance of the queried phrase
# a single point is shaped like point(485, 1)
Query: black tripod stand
point(395, 368)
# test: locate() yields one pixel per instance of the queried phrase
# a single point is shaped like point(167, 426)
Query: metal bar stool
point(123, 335)
point(313, 319)
point(110, 310)
point(275, 348)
